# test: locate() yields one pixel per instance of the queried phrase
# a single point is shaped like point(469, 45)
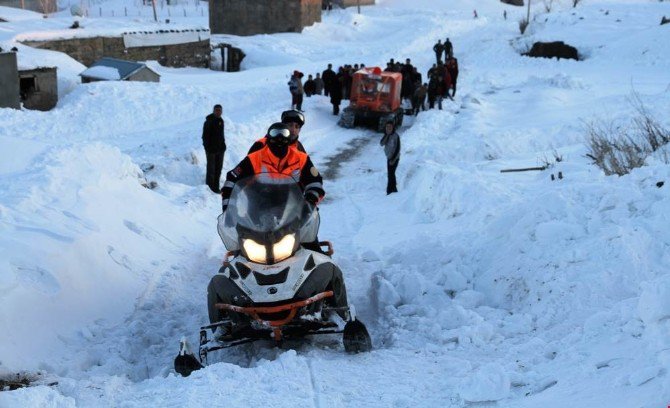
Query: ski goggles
point(293, 116)
point(279, 132)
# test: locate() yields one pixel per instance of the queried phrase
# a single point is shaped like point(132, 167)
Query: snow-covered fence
point(165, 9)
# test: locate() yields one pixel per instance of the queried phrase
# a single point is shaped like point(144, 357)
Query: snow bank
point(70, 254)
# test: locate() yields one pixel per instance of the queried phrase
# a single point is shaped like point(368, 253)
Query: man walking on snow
point(214, 142)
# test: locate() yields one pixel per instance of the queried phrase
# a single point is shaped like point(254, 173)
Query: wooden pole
point(153, 4)
point(524, 169)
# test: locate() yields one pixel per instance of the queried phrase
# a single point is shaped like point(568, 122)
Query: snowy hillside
point(479, 288)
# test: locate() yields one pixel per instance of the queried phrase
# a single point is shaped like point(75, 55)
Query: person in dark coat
point(318, 84)
point(435, 91)
point(448, 49)
point(328, 77)
point(347, 79)
point(452, 67)
point(431, 71)
point(336, 93)
point(439, 49)
point(419, 99)
point(407, 85)
point(214, 142)
point(416, 76)
point(391, 143)
point(309, 87)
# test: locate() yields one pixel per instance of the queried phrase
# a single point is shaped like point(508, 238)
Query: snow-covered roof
point(112, 69)
point(16, 14)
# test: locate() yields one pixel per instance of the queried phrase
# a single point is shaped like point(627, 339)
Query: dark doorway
point(27, 86)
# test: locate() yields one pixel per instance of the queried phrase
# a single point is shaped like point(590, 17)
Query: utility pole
point(153, 4)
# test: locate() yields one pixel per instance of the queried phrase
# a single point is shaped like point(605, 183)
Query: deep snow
point(477, 286)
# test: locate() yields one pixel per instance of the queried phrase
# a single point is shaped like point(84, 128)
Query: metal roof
point(125, 68)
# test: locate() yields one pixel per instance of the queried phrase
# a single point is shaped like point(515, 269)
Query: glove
point(312, 198)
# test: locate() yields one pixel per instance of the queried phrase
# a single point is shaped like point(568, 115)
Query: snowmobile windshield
point(266, 210)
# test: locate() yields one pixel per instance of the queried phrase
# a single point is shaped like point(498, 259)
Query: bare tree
point(618, 149)
point(523, 24)
point(47, 6)
point(575, 3)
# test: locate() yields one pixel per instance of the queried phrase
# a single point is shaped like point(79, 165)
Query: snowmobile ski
point(185, 362)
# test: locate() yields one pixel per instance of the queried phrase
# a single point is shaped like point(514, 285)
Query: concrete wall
point(33, 5)
point(45, 94)
point(145, 75)
point(89, 50)
point(249, 17)
point(9, 81)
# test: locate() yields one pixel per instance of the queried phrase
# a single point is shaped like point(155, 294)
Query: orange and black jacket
point(260, 143)
point(296, 164)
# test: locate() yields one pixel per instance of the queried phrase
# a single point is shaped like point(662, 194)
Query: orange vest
point(263, 161)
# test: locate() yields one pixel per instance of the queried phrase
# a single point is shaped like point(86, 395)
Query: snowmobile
point(276, 281)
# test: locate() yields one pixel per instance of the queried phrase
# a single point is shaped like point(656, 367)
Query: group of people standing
point(336, 85)
point(442, 76)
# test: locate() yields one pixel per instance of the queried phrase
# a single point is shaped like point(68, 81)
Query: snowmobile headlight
point(284, 248)
point(255, 251)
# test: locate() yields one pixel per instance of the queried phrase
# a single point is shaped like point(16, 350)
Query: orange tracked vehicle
point(374, 99)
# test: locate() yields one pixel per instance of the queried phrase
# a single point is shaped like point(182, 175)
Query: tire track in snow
point(315, 391)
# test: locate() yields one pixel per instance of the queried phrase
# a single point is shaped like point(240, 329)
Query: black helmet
point(293, 116)
point(278, 134)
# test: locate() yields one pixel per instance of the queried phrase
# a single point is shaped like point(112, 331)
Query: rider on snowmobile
point(278, 156)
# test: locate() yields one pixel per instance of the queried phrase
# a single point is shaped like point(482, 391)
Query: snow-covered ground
point(478, 287)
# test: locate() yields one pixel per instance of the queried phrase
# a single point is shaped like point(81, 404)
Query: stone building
point(35, 87)
point(39, 88)
point(171, 48)
point(112, 69)
point(40, 6)
point(249, 17)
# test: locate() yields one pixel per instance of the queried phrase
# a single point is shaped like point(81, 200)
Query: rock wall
point(250, 17)
point(9, 83)
point(89, 50)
